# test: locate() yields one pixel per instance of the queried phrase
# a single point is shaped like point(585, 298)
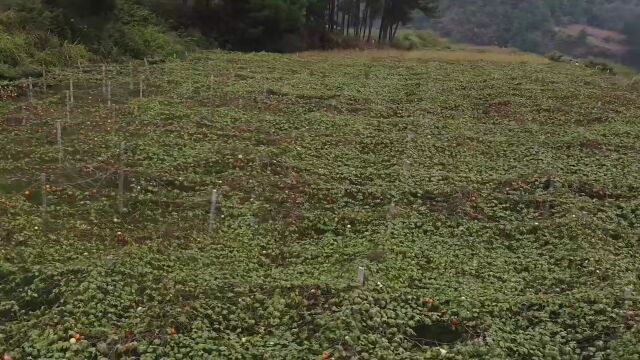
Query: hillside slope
point(494, 208)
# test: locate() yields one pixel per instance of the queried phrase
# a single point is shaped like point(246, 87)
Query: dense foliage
point(66, 32)
point(34, 33)
point(494, 207)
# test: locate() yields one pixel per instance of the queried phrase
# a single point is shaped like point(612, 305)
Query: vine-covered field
point(494, 207)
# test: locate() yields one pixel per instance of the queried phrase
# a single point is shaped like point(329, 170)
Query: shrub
point(64, 54)
point(634, 83)
point(600, 65)
point(416, 40)
point(557, 56)
point(339, 41)
point(147, 41)
point(8, 72)
point(289, 43)
point(12, 49)
point(18, 72)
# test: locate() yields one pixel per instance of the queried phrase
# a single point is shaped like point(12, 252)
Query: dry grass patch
point(464, 55)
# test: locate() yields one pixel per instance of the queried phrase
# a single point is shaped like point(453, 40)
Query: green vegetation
point(34, 34)
point(494, 207)
point(413, 40)
point(538, 25)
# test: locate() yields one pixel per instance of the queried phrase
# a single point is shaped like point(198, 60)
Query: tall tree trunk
point(330, 16)
point(334, 14)
point(188, 5)
point(395, 31)
point(364, 20)
point(337, 12)
point(371, 17)
point(356, 18)
point(348, 22)
point(344, 17)
point(383, 22)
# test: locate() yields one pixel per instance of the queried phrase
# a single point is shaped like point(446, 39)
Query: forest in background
point(35, 33)
point(62, 32)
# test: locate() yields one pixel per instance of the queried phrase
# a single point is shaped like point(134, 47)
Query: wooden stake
point(30, 90)
point(104, 78)
point(43, 176)
point(110, 262)
point(121, 178)
point(361, 276)
point(406, 166)
point(44, 79)
point(68, 105)
point(59, 140)
point(211, 87)
point(146, 63)
point(391, 215)
point(109, 93)
point(140, 87)
point(121, 190)
point(131, 77)
point(212, 210)
point(71, 90)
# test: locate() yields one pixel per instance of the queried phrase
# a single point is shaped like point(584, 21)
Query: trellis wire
point(107, 86)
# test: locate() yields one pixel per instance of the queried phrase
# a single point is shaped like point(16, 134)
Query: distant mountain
point(578, 27)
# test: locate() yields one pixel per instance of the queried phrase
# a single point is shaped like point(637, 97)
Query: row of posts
point(106, 89)
point(121, 197)
point(360, 271)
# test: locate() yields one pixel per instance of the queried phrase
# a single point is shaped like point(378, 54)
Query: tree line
point(276, 25)
point(282, 24)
